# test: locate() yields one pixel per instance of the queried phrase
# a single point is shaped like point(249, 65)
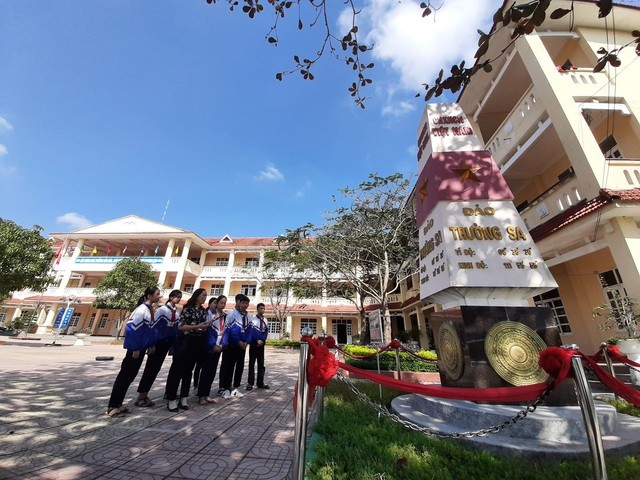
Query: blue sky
point(113, 108)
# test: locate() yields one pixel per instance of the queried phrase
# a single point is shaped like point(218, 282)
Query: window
point(3, 316)
point(91, 320)
point(103, 320)
point(409, 282)
point(609, 147)
point(87, 284)
point(252, 262)
point(310, 323)
point(552, 300)
point(248, 290)
point(216, 289)
point(75, 319)
point(277, 291)
point(188, 287)
point(222, 262)
point(340, 321)
point(274, 325)
point(612, 287)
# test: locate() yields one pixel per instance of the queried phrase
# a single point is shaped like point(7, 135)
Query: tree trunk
point(365, 336)
point(387, 323)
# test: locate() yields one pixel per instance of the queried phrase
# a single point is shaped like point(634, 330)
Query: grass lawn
point(356, 445)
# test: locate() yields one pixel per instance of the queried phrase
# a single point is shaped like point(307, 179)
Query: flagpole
point(164, 214)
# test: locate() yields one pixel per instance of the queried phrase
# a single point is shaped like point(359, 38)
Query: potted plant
point(81, 335)
point(623, 314)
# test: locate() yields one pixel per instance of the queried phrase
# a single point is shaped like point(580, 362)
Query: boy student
point(235, 339)
point(260, 331)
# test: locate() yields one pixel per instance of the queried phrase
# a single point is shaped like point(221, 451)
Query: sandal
point(144, 402)
point(203, 401)
point(123, 409)
point(113, 413)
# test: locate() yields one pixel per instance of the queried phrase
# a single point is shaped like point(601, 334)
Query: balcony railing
point(584, 83)
point(552, 202)
point(622, 173)
point(517, 127)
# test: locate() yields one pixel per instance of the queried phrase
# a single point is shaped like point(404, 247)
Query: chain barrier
point(382, 410)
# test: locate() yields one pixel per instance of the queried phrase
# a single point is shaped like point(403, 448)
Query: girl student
point(190, 347)
point(166, 328)
point(139, 337)
point(213, 347)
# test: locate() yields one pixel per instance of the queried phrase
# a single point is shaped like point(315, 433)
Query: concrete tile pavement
point(53, 423)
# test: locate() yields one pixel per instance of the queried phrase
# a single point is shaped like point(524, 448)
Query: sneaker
point(226, 394)
point(220, 391)
point(184, 405)
point(249, 387)
point(236, 393)
point(172, 406)
point(266, 387)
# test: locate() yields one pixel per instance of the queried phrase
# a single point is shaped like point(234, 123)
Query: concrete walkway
point(53, 423)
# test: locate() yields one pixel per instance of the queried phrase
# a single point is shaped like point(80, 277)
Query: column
point(183, 263)
point(623, 236)
point(572, 129)
point(323, 324)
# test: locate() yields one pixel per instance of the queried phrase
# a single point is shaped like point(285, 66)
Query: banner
point(375, 326)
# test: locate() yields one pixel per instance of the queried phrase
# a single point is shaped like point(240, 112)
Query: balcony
point(622, 173)
point(517, 127)
point(584, 83)
point(551, 202)
point(210, 272)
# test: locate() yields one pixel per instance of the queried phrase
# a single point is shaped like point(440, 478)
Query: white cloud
point(302, 190)
point(3, 150)
point(416, 48)
point(270, 173)
point(74, 221)
point(398, 109)
point(4, 124)
point(7, 171)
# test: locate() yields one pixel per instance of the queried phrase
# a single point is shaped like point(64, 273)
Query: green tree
point(365, 247)
point(25, 259)
point(121, 288)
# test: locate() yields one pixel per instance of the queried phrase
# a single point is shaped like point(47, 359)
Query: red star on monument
point(423, 191)
point(467, 173)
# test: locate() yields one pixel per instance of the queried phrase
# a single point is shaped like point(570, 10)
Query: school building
point(567, 140)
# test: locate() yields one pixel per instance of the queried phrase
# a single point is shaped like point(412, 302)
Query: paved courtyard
point(53, 423)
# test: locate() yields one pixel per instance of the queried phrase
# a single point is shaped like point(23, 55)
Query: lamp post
point(63, 320)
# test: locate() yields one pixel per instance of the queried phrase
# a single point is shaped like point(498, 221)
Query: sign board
point(375, 327)
point(58, 320)
point(62, 318)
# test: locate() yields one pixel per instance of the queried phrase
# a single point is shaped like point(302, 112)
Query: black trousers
point(256, 354)
point(190, 348)
point(128, 371)
point(154, 364)
point(208, 373)
point(196, 374)
point(232, 367)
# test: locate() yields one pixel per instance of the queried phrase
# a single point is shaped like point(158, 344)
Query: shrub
point(283, 343)
point(388, 360)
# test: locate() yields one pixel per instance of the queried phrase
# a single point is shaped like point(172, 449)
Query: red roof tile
point(581, 209)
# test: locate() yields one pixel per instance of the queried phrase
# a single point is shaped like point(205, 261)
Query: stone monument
point(477, 260)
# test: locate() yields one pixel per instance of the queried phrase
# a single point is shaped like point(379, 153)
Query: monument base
point(547, 433)
point(490, 347)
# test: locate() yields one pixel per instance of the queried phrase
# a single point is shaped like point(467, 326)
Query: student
point(138, 337)
point(214, 349)
point(197, 369)
point(235, 339)
point(260, 331)
point(193, 323)
point(166, 333)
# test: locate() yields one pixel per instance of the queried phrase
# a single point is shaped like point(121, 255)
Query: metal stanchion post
point(300, 435)
point(592, 427)
point(398, 364)
point(320, 390)
point(607, 358)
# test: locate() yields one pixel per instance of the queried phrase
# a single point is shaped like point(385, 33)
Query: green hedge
point(388, 360)
point(283, 343)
